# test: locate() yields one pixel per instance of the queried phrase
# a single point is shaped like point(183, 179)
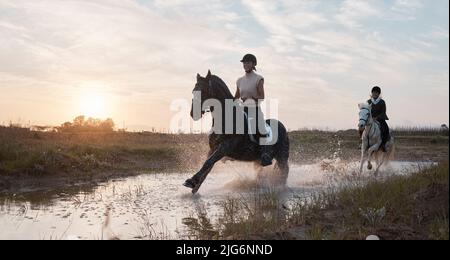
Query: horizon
point(130, 60)
point(150, 129)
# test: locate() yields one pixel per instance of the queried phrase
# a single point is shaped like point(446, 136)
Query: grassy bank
point(34, 160)
point(42, 153)
point(400, 207)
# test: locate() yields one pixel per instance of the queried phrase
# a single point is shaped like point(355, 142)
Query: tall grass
point(421, 130)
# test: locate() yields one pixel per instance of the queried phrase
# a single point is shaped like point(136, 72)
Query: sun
point(93, 105)
point(93, 102)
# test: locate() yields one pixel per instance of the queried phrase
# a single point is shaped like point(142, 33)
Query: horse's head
point(201, 92)
point(365, 113)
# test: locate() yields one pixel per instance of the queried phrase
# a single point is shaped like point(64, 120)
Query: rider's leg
point(384, 133)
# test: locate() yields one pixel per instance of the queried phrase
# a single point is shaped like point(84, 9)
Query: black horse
point(238, 147)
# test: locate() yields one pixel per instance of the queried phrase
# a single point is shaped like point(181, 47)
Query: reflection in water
point(152, 206)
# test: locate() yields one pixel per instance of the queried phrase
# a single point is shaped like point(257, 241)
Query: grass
point(42, 153)
point(241, 218)
point(412, 144)
point(399, 207)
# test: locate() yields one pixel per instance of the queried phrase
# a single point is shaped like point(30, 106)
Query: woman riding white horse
point(372, 139)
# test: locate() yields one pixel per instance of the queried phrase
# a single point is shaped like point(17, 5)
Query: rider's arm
point(238, 94)
point(260, 90)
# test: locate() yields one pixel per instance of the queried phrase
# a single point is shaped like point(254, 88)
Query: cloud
point(353, 12)
point(316, 56)
point(122, 42)
point(439, 33)
point(406, 9)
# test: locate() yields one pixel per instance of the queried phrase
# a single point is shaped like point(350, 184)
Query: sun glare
point(93, 102)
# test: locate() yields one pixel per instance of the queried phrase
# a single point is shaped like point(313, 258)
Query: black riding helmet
point(376, 89)
point(250, 58)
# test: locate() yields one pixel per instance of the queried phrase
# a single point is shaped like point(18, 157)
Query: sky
point(130, 59)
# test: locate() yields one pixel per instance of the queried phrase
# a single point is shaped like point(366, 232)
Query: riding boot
point(385, 135)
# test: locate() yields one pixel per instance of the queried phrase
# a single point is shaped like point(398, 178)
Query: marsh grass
point(413, 206)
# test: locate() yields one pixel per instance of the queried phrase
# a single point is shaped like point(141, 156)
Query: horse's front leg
point(363, 153)
point(196, 181)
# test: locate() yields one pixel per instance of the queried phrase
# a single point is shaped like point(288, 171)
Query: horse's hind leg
point(380, 162)
point(282, 158)
point(283, 171)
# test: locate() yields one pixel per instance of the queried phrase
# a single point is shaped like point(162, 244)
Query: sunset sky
point(129, 59)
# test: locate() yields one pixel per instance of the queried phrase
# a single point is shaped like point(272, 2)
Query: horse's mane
point(364, 105)
point(220, 88)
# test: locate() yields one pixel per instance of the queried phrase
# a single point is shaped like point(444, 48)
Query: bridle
point(209, 92)
point(366, 120)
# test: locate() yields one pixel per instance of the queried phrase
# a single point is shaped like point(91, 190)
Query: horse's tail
point(282, 144)
point(281, 151)
point(391, 153)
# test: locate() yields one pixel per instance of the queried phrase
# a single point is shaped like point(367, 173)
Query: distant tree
point(80, 123)
point(66, 125)
point(92, 123)
point(107, 125)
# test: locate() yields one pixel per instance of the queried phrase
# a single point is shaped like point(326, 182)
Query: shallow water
point(153, 205)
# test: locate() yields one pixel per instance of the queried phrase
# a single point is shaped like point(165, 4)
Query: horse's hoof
point(189, 184)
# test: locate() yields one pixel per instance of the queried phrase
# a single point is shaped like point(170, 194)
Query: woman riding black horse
point(212, 94)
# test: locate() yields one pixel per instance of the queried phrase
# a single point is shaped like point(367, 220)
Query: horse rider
point(250, 89)
point(379, 114)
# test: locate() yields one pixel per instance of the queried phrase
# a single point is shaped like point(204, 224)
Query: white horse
point(371, 139)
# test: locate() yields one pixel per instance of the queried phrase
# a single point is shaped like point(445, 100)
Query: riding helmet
point(250, 58)
point(376, 89)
